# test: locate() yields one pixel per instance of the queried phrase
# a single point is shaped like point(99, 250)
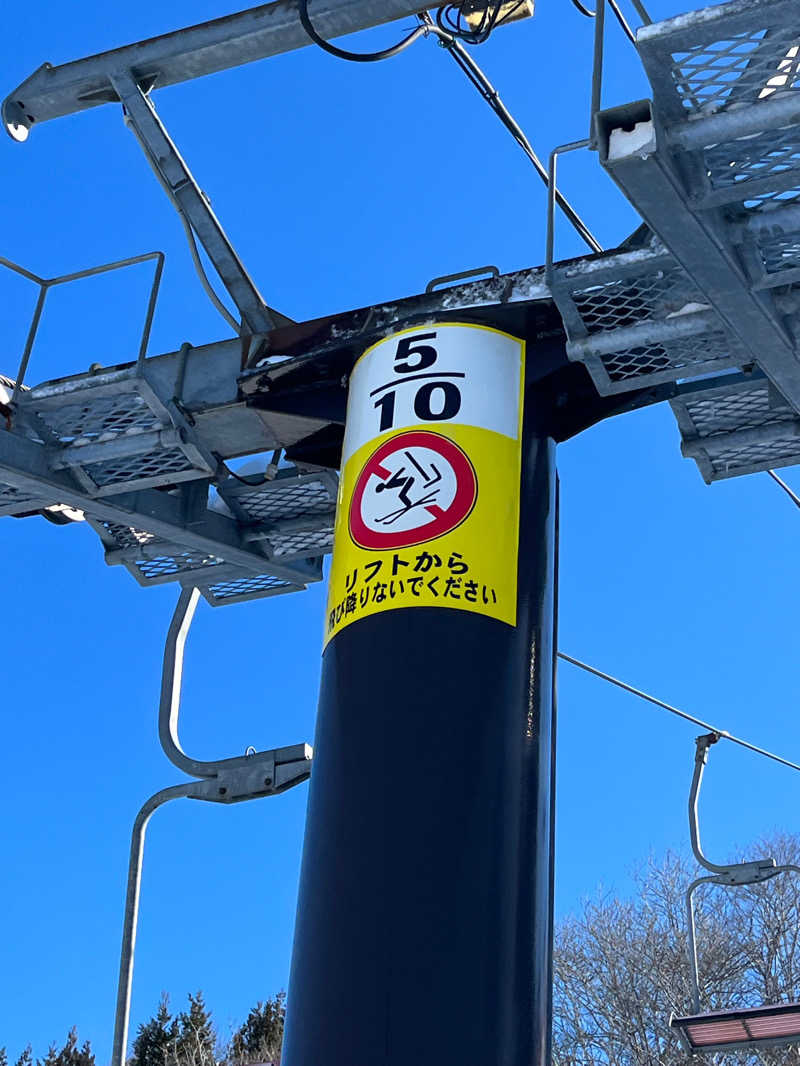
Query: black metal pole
point(424, 926)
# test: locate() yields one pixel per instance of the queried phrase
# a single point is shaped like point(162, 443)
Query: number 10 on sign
point(429, 497)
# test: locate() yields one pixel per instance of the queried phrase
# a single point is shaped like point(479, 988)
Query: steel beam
point(25, 464)
point(647, 176)
point(247, 36)
point(774, 113)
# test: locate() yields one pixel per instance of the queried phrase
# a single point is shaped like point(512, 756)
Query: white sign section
point(435, 375)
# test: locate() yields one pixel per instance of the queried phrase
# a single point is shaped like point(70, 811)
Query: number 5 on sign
point(468, 375)
point(431, 457)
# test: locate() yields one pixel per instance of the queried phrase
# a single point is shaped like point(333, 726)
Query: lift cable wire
point(675, 710)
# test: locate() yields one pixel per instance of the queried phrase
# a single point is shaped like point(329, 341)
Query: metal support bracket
point(128, 75)
point(234, 780)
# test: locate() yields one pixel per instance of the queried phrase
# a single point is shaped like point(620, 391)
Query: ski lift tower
point(426, 890)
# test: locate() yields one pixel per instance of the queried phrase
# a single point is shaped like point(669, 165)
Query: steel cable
point(492, 98)
point(676, 710)
point(452, 44)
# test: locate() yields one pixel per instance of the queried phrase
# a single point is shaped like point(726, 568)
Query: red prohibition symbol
point(413, 488)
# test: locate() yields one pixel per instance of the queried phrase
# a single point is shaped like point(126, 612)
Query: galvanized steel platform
point(701, 307)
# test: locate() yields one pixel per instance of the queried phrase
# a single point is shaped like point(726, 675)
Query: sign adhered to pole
point(428, 510)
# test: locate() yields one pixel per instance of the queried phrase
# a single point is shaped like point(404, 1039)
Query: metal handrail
point(599, 52)
point(45, 284)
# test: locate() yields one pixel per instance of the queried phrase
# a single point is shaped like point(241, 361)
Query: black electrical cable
point(492, 98)
point(451, 19)
point(583, 10)
point(355, 57)
point(253, 480)
point(452, 43)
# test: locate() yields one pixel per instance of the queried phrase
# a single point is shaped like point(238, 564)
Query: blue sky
point(340, 184)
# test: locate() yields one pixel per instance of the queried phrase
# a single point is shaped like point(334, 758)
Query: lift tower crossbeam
point(427, 874)
point(192, 52)
point(127, 75)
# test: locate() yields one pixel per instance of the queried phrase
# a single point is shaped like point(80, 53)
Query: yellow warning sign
point(428, 509)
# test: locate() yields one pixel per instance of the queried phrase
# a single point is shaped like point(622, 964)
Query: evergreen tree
point(156, 1040)
point(70, 1054)
point(260, 1038)
point(50, 1057)
point(3, 1057)
point(26, 1058)
point(196, 1037)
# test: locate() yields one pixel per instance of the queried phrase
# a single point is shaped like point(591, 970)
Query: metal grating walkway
point(712, 164)
point(701, 306)
point(637, 319)
point(116, 446)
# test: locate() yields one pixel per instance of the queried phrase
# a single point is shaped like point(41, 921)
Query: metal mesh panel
point(741, 409)
point(98, 418)
point(742, 67)
point(776, 197)
point(150, 558)
point(628, 302)
point(781, 253)
point(127, 536)
point(152, 466)
point(757, 456)
point(286, 501)
point(660, 361)
point(15, 501)
point(172, 564)
point(771, 153)
point(246, 587)
point(11, 495)
point(302, 543)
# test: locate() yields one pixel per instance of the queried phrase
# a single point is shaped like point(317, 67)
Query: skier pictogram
point(404, 482)
point(415, 487)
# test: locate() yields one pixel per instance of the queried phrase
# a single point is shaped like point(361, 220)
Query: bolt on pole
point(424, 928)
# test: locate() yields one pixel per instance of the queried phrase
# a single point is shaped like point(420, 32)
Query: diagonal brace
point(26, 465)
point(191, 202)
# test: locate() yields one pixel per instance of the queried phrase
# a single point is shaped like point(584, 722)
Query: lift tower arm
point(127, 75)
point(185, 54)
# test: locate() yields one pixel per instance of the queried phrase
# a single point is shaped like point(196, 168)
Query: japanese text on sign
point(428, 510)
